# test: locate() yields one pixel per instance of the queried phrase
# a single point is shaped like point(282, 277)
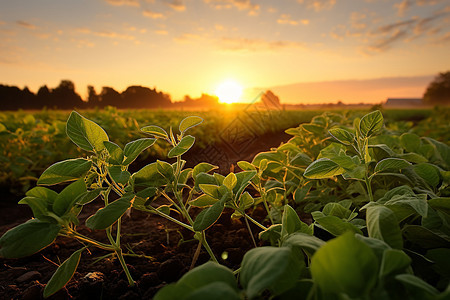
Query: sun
point(229, 91)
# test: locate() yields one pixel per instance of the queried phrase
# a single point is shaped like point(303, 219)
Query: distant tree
point(438, 91)
point(43, 97)
point(270, 100)
point(144, 97)
point(93, 100)
point(109, 96)
point(65, 97)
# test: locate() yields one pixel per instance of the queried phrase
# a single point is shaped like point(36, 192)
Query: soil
point(169, 247)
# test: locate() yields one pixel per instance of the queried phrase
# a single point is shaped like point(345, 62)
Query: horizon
point(300, 50)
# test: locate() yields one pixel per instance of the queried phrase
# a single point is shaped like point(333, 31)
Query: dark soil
point(170, 247)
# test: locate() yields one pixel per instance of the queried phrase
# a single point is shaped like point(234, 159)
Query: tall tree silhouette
point(438, 91)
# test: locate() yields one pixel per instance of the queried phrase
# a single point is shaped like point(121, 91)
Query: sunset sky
point(305, 50)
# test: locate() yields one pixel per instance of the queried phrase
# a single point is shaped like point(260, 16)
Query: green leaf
point(85, 134)
point(243, 180)
point(246, 166)
point(442, 151)
point(394, 261)
point(391, 164)
point(203, 167)
point(39, 206)
point(189, 122)
point(197, 280)
point(291, 223)
point(148, 176)
point(63, 274)
point(371, 123)
point(182, 147)
point(425, 238)
point(211, 190)
point(71, 169)
point(300, 160)
point(203, 200)
point(246, 201)
point(429, 173)
point(230, 181)
point(316, 129)
point(410, 142)
point(119, 175)
point(115, 152)
point(208, 216)
point(216, 290)
point(345, 265)
point(156, 131)
point(67, 198)
point(108, 215)
point(441, 204)
point(305, 241)
point(383, 225)
point(28, 238)
point(88, 196)
point(323, 168)
point(414, 282)
point(343, 135)
point(336, 209)
point(270, 268)
point(134, 148)
point(334, 225)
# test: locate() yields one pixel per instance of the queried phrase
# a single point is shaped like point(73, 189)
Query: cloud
point(106, 34)
point(124, 2)
point(318, 5)
point(248, 5)
point(442, 40)
point(177, 5)
point(255, 45)
point(428, 2)
point(385, 43)
point(286, 19)
point(26, 25)
point(402, 7)
point(153, 15)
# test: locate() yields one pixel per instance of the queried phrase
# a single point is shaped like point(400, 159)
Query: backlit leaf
point(371, 123)
point(63, 274)
point(189, 122)
point(182, 147)
point(67, 170)
point(84, 133)
point(323, 168)
point(108, 215)
point(134, 148)
point(28, 238)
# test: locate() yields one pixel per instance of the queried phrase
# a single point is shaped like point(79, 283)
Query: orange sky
point(192, 46)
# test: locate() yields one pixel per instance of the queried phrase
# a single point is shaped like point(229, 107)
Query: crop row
point(378, 202)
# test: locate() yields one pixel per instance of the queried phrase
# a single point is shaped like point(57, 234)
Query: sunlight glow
point(229, 92)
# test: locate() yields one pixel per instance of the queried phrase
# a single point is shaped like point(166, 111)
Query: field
point(317, 204)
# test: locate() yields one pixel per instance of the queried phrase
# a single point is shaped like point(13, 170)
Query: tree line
point(64, 96)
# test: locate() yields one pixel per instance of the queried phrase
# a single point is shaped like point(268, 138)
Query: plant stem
point(207, 248)
point(255, 222)
point(250, 231)
point(196, 254)
point(155, 211)
point(124, 266)
point(369, 188)
point(263, 196)
point(81, 237)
